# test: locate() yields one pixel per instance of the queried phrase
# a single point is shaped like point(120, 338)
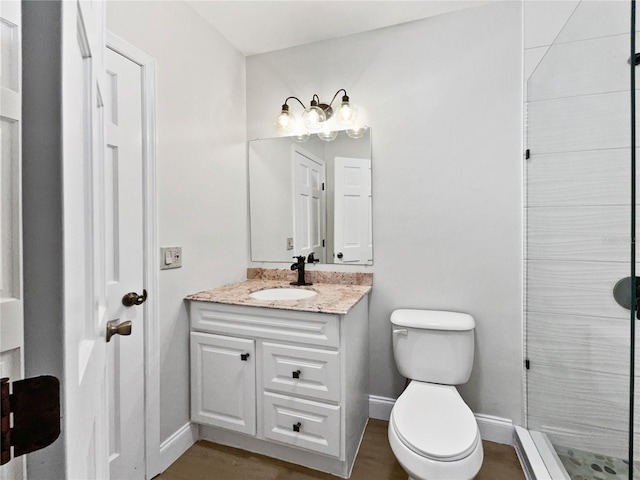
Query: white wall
point(443, 97)
point(201, 170)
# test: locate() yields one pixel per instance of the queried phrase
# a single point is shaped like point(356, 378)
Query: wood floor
point(375, 461)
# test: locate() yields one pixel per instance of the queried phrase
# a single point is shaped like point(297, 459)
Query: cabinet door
point(223, 379)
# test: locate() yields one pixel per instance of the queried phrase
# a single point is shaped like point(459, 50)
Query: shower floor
point(581, 465)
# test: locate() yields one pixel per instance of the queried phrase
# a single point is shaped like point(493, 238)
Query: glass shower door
point(578, 244)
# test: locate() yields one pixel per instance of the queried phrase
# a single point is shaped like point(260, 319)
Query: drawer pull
point(296, 374)
point(296, 427)
point(244, 357)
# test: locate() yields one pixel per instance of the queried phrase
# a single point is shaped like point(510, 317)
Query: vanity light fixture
point(316, 115)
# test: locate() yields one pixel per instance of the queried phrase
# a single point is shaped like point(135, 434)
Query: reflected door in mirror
point(353, 232)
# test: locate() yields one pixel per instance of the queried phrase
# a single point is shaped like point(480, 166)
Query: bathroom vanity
point(284, 378)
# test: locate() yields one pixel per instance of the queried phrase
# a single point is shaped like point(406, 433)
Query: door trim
point(150, 244)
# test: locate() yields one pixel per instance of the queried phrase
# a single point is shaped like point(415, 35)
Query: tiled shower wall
point(578, 224)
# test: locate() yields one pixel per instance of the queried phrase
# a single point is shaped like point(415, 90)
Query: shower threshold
point(542, 461)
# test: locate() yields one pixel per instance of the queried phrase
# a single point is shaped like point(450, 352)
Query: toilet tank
point(433, 346)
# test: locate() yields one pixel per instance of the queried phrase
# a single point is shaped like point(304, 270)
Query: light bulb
point(357, 132)
point(285, 121)
point(314, 118)
point(347, 113)
point(301, 137)
point(328, 135)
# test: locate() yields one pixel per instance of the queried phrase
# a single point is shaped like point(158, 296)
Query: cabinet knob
point(244, 357)
point(296, 427)
point(296, 374)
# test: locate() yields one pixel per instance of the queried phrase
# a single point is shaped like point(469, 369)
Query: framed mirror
point(311, 198)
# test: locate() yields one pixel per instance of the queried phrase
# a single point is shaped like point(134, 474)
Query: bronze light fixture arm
point(345, 98)
point(285, 107)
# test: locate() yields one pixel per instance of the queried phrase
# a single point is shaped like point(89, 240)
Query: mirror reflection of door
point(309, 174)
point(353, 232)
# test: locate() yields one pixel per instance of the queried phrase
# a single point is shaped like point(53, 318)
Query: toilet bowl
point(432, 432)
point(434, 435)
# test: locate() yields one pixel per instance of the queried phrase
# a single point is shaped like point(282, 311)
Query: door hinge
point(527, 154)
point(35, 406)
point(527, 364)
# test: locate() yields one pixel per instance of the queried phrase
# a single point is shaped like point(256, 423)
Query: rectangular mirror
point(311, 197)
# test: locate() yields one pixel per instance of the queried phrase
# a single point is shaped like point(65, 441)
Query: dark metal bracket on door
point(35, 407)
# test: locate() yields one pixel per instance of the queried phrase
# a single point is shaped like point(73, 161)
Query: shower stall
point(580, 222)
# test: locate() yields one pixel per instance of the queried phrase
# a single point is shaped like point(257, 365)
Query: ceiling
point(262, 26)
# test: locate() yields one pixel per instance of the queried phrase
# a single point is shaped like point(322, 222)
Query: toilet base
point(422, 468)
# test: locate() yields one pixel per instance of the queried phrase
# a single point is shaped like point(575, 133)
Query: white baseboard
point(380, 407)
point(178, 443)
point(494, 429)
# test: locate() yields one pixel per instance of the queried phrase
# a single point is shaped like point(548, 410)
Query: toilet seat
point(434, 422)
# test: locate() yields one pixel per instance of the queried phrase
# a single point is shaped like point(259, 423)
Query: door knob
point(132, 298)
point(114, 327)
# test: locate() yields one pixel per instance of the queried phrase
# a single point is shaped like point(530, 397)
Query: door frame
point(150, 246)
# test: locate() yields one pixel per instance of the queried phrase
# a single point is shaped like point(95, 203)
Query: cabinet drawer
point(302, 423)
point(319, 329)
point(299, 370)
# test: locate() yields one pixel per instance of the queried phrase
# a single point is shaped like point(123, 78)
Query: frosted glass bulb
point(286, 121)
point(313, 118)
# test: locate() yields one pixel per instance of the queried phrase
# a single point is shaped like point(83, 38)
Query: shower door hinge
point(527, 364)
point(527, 154)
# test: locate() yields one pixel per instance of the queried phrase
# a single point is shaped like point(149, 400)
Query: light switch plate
point(170, 257)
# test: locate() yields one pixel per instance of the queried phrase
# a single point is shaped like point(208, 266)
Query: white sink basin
point(282, 294)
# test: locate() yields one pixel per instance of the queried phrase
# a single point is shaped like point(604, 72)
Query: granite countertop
point(331, 298)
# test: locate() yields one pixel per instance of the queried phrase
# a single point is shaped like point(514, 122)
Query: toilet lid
point(433, 421)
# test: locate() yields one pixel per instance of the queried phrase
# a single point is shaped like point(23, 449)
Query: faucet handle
point(300, 258)
point(312, 259)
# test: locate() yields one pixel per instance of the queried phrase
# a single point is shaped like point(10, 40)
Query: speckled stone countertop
point(331, 298)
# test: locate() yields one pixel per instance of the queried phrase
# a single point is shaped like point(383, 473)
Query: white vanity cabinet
point(285, 383)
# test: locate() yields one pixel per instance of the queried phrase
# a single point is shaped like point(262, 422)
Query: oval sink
point(282, 294)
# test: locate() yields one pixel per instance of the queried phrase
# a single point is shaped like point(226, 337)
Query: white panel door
point(353, 235)
point(223, 382)
point(11, 302)
point(85, 393)
point(124, 266)
point(309, 172)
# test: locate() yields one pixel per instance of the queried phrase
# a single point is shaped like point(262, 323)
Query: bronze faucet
point(299, 265)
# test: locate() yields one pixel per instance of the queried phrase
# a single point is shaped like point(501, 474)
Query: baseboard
point(178, 443)
point(493, 429)
point(380, 407)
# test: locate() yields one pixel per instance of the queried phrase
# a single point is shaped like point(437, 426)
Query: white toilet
point(432, 432)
